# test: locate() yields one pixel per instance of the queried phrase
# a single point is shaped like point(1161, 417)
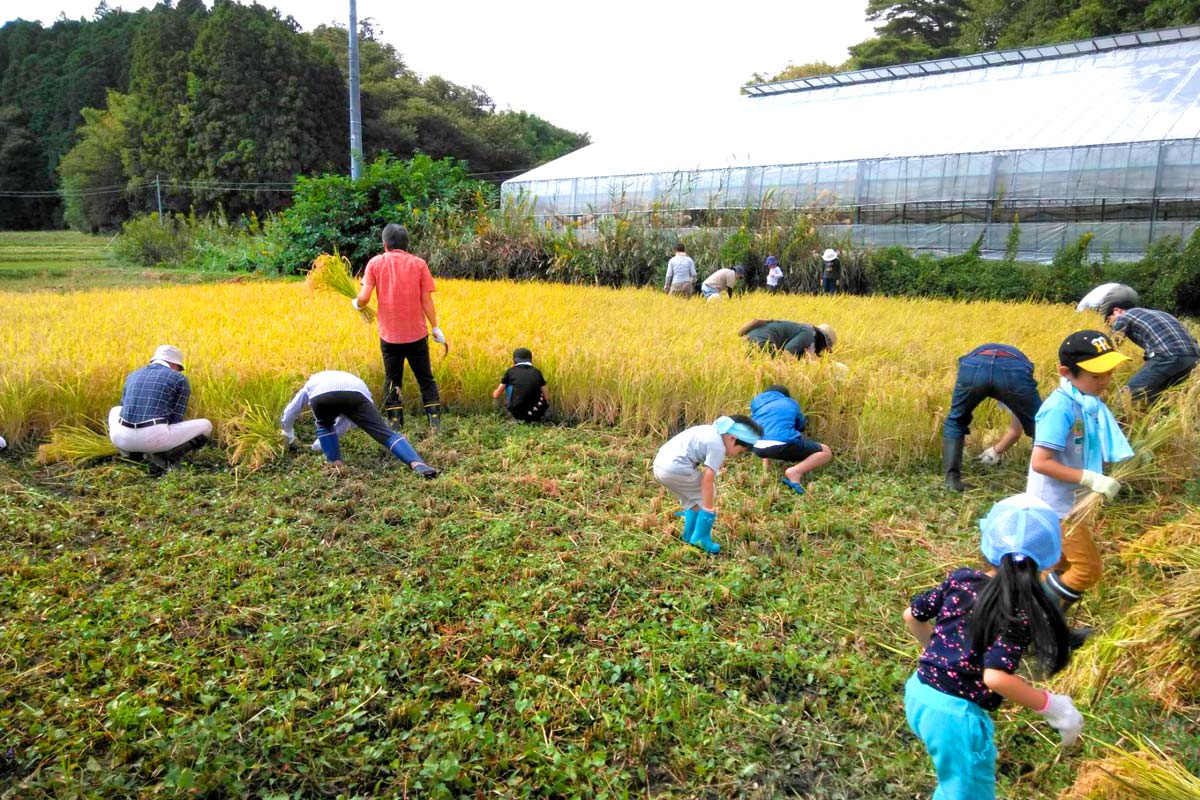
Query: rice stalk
point(75, 444)
point(332, 273)
point(1150, 773)
point(1160, 454)
point(1156, 646)
point(1174, 545)
point(254, 437)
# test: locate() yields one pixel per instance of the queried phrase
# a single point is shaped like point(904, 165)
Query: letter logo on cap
point(1101, 344)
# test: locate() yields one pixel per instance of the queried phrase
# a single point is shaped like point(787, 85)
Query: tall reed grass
point(633, 357)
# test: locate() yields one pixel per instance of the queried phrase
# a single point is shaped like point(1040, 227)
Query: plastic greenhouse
point(1101, 135)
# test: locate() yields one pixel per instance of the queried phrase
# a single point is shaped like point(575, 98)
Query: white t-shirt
point(689, 450)
point(774, 275)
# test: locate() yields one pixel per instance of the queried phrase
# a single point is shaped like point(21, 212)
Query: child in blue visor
point(688, 464)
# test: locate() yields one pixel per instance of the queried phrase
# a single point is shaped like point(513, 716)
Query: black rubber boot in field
point(434, 412)
point(395, 416)
point(952, 459)
point(1065, 597)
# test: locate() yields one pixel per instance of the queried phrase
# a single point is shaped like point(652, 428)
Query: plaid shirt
point(155, 392)
point(1156, 332)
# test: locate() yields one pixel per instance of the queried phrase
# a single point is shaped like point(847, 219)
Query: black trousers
point(354, 407)
point(417, 355)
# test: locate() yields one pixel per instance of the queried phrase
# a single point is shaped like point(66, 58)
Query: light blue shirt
point(1059, 428)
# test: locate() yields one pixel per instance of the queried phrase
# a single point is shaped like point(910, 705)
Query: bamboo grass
point(332, 273)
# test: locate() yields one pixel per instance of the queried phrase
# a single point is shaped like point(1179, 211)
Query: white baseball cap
point(169, 354)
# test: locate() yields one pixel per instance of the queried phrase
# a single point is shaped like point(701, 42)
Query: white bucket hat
point(169, 354)
point(829, 255)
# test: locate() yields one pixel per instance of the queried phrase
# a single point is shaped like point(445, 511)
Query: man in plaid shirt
point(150, 420)
point(1170, 350)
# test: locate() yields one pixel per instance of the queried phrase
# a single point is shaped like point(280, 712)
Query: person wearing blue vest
point(784, 439)
point(1003, 373)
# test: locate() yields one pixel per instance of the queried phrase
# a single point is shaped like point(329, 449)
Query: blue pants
point(1003, 378)
point(1159, 374)
point(958, 735)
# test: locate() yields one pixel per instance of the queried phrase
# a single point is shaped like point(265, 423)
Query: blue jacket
point(779, 415)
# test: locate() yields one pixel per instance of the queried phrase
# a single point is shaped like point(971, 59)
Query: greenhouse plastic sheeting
point(1062, 139)
point(1038, 242)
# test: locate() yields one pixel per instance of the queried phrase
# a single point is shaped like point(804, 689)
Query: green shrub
point(149, 241)
point(190, 242)
point(336, 212)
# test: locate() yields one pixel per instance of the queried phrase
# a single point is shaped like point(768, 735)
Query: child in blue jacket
point(783, 438)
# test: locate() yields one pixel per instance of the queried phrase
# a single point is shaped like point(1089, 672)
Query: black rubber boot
point(395, 416)
point(1066, 597)
point(952, 459)
point(174, 455)
point(433, 411)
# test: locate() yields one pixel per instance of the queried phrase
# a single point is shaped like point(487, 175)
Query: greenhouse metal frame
point(1100, 136)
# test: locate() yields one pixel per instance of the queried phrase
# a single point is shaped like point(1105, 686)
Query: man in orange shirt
point(405, 289)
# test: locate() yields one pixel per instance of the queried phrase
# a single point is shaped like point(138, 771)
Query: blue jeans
point(1004, 378)
point(1159, 374)
point(959, 737)
point(829, 284)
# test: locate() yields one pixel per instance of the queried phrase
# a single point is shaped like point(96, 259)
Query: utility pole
point(158, 194)
point(356, 150)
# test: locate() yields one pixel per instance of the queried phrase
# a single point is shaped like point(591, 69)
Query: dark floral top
point(948, 663)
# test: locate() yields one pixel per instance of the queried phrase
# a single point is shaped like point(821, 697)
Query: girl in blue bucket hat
point(974, 628)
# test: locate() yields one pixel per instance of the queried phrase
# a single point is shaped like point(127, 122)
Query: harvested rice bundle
point(332, 273)
point(1159, 439)
point(75, 444)
point(254, 437)
point(1156, 646)
point(1171, 546)
point(1142, 772)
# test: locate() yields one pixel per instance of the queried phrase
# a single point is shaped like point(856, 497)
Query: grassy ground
point(68, 261)
point(527, 624)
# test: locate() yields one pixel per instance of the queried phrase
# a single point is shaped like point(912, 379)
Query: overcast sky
point(604, 68)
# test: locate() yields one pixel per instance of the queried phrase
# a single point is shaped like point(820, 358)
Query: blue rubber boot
point(404, 451)
point(330, 446)
point(702, 533)
point(689, 523)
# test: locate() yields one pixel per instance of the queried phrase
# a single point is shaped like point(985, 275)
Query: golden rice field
point(636, 358)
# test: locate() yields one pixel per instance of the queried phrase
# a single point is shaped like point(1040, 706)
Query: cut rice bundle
point(332, 273)
point(75, 444)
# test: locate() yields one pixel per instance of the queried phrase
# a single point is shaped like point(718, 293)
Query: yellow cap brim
point(1104, 363)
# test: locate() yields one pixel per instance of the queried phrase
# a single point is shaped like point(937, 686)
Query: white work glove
point(990, 457)
point(438, 336)
point(290, 436)
point(354, 302)
point(1062, 715)
point(315, 446)
point(3, 444)
point(1101, 484)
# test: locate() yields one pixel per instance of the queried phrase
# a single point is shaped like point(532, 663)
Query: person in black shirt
point(524, 388)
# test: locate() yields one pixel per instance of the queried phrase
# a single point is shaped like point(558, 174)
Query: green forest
point(220, 107)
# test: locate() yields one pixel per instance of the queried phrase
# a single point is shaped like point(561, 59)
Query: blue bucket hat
point(1024, 526)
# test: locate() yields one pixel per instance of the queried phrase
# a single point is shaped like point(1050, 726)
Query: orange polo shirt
point(399, 279)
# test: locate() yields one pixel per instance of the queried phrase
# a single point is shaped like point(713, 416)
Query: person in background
point(783, 438)
point(150, 420)
point(1076, 435)
point(681, 273)
point(524, 388)
point(1170, 349)
point(798, 338)
point(405, 288)
point(723, 280)
point(974, 629)
point(831, 271)
point(340, 400)
point(1003, 373)
point(774, 274)
point(688, 465)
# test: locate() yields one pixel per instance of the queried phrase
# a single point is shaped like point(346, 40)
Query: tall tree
point(21, 170)
point(263, 105)
point(93, 172)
